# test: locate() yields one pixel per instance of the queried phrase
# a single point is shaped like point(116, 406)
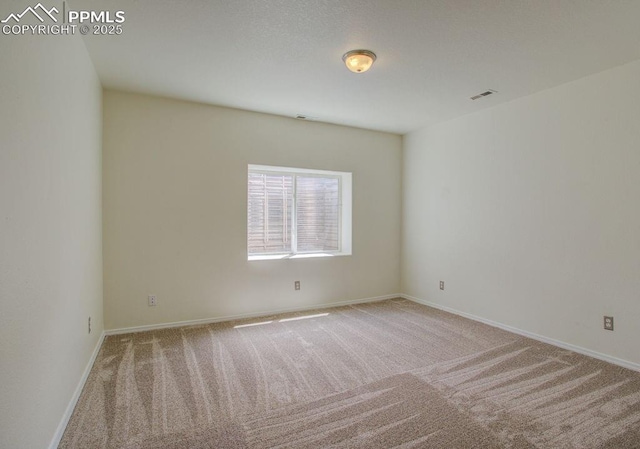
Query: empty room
point(319, 224)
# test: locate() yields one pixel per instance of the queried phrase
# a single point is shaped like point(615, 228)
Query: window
point(297, 213)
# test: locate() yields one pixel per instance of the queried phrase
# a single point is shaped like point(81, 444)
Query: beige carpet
point(391, 374)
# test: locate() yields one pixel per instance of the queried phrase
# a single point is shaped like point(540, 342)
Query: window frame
point(344, 211)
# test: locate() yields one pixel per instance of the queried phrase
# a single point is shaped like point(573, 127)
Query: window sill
point(295, 256)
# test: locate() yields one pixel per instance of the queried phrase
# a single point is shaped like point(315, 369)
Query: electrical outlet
point(296, 285)
point(441, 285)
point(608, 323)
point(152, 300)
point(89, 324)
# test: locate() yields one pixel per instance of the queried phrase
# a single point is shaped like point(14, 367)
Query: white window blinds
point(269, 216)
point(318, 213)
point(293, 212)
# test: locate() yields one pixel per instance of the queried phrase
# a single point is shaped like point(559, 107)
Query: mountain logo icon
point(39, 11)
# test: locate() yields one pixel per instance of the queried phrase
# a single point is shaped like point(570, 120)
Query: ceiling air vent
point(305, 117)
point(484, 94)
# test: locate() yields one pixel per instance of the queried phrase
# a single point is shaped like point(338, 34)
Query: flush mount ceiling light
point(359, 61)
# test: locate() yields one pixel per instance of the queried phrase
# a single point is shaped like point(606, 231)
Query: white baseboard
point(551, 341)
point(76, 395)
point(150, 327)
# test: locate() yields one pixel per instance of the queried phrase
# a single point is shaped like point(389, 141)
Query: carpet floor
point(389, 374)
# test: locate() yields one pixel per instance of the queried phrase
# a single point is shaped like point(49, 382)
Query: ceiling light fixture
point(359, 61)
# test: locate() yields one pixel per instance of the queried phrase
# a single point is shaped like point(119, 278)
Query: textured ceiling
point(284, 56)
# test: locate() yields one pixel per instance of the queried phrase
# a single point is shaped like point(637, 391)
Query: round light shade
point(359, 61)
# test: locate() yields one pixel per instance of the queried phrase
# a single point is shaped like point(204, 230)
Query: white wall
point(50, 230)
point(175, 207)
point(530, 212)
